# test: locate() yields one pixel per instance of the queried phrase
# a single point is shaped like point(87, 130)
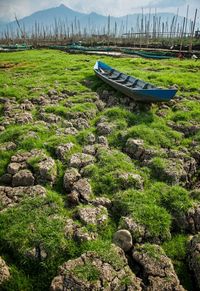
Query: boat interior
point(125, 80)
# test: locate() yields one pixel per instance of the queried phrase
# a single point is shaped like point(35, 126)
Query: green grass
point(87, 272)
point(157, 206)
point(31, 225)
point(144, 210)
point(176, 250)
point(105, 174)
point(110, 256)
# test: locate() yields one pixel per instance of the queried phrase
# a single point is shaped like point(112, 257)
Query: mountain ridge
point(89, 21)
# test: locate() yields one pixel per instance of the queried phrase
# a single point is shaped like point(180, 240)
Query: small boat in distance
point(149, 55)
point(131, 86)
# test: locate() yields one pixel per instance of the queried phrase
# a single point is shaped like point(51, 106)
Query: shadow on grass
point(98, 86)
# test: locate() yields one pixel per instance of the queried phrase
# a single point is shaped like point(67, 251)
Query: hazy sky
point(8, 8)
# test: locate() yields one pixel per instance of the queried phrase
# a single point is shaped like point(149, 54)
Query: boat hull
point(138, 94)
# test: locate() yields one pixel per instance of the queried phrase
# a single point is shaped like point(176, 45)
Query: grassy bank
point(156, 200)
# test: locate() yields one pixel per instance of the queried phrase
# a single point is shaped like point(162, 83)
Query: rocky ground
point(97, 192)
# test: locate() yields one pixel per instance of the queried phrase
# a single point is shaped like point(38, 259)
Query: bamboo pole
point(192, 32)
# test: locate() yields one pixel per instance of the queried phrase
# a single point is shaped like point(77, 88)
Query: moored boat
point(88, 48)
point(132, 87)
point(15, 47)
point(148, 55)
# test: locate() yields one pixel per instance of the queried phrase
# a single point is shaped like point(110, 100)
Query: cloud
point(8, 8)
point(166, 3)
point(21, 8)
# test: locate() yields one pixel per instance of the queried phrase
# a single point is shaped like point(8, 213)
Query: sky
point(22, 8)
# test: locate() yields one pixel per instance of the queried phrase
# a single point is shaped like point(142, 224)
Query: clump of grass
point(18, 280)
point(31, 224)
point(5, 159)
point(175, 198)
point(87, 272)
point(58, 109)
point(111, 255)
point(144, 210)
point(82, 136)
point(151, 250)
point(53, 142)
point(156, 134)
point(176, 250)
point(105, 174)
point(28, 136)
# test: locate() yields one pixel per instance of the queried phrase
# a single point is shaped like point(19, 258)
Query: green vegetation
point(176, 249)
point(143, 209)
point(33, 224)
point(110, 255)
point(63, 90)
point(87, 272)
point(107, 174)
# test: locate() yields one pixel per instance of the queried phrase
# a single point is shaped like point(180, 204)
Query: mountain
point(56, 17)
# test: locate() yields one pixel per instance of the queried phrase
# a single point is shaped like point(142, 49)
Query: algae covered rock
point(34, 167)
point(83, 189)
point(193, 219)
point(104, 128)
point(128, 179)
point(23, 178)
point(194, 257)
point(137, 150)
point(189, 220)
point(4, 271)
point(63, 150)
point(157, 269)
point(81, 160)
point(174, 170)
point(93, 215)
point(71, 176)
point(46, 171)
point(11, 196)
point(138, 232)
point(92, 271)
point(77, 232)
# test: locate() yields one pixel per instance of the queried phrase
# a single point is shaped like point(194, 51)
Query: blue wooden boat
point(148, 55)
point(131, 86)
point(82, 48)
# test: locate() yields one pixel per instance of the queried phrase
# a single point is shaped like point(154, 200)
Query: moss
point(151, 250)
point(87, 272)
point(110, 256)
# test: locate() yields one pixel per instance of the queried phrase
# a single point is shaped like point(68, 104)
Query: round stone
point(123, 239)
